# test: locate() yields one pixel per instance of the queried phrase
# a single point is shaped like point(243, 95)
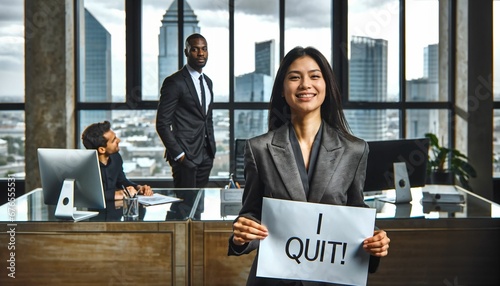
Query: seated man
point(99, 136)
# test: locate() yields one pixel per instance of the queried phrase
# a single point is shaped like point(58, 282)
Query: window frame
point(133, 10)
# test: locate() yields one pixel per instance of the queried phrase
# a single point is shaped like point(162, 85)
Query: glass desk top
point(215, 204)
point(473, 206)
point(31, 207)
point(224, 204)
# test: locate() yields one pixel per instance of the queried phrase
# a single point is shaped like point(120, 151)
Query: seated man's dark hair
point(93, 135)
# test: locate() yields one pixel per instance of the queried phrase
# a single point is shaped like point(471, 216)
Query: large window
point(12, 51)
point(391, 79)
point(102, 52)
point(376, 65)
point(160, 45)
point(12, 32)
point(256, 55)
point(422, 72)
point(422, 52)
point(373, 45)
point(373, 57)
point(309, 29)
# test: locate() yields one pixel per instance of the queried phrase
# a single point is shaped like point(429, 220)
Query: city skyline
point(245, 66)
point(213, 16)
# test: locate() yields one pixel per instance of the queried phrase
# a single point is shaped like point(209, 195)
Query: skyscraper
point(96, 78)
point(421, 121)
point(264, 57)
point(368, 82)
point(255, 87)
point(168, 52)
point(431, 62)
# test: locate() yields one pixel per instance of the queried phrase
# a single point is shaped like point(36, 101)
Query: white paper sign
point(315, 242)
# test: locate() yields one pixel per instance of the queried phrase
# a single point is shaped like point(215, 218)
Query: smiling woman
point(308, 137)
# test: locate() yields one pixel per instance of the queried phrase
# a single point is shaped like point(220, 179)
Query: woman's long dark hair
point(331, 109)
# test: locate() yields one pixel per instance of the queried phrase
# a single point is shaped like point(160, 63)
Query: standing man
point(184, 118)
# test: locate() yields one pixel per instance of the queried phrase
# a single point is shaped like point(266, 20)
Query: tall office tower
point(168, 52)
point(251, 87)
point(431, 72)
point(255, 87)
point(421, 121)
point(431, 62)
point(368, 82)
point(264, 57)
point(96, 81)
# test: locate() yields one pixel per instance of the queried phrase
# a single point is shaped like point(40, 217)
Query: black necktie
point(203, 100)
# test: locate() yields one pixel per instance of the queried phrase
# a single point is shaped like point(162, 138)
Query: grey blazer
point(338, 179)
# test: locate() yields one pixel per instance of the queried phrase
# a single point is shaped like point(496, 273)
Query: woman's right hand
point(246, 230)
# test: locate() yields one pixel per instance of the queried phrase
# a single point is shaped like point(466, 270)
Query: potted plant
point(444, 165)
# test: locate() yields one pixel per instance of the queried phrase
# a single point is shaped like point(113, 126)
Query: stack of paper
point(157, 199)
point(441, 194)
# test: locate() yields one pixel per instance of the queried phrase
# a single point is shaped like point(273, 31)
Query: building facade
point(368, 82)
point(96, 66)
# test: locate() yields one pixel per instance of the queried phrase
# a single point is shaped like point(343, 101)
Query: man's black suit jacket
point(180, 120)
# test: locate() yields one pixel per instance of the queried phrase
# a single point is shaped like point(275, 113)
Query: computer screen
point(71, 178)
point(382, 156)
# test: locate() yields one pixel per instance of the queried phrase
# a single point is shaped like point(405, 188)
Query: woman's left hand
point(378, 244)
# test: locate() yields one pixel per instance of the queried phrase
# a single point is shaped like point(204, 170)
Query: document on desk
point(157, 199)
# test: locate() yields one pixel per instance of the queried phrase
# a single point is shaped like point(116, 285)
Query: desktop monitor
point(71, 179)
point(383, 155)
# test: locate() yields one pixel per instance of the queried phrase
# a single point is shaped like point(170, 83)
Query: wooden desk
point(455, 247)
point(452, 246)
point(105, 251)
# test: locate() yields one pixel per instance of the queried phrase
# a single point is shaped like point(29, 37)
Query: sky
point(11, 48)
point(255, 21)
